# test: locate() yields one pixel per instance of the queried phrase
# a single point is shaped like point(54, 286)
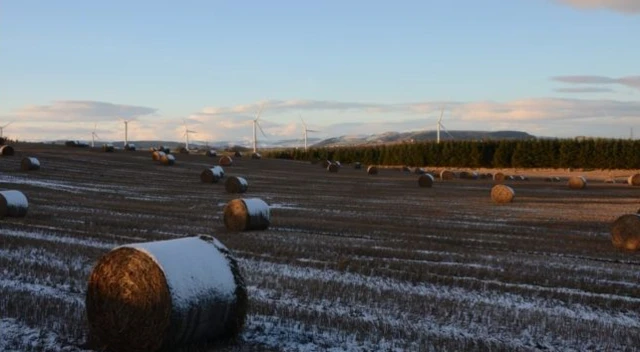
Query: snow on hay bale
point(333, 167)
point(6, 150)
point(634, 180)
point(577, 182)
point(372, 170)
point(625, 232)
point(168, 159)
point(157, 155)
point(499, 177)
point(502, 194)
point(446, 175)
point(225, 160)
point(425, 180)
point(212, 175)
point(29, 164)
point(236, 184)
point(13, 204)
point(246, 214)
point(161, 295)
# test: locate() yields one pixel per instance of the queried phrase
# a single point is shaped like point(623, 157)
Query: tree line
point(534, 153)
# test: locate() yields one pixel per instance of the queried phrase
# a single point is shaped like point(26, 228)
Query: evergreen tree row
point(537, 153)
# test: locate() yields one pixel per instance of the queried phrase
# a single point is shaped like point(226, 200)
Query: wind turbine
point(94, 135)
point(306, 130)
point(126, 131)
point(256, 123)
point(441, 126)
point(186, 134)
point(2, 128)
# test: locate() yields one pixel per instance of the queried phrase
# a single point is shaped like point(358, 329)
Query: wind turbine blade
point(6, 124)
point(312, 131)
point(261, 130)
point(446, 131)
point(94, 127)
point(259, 112)
point(441, 113)
point(303, 123)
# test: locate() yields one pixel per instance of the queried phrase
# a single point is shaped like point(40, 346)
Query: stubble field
point(351, 262)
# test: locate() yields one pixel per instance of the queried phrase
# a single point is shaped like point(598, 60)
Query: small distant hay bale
point(157, 155)
point(236, 184)
point(225, 160)
point(464, 175)
point(372, 170)
point(6, 150)
point(499, 177)
point(13, 204)
point(522, 178)
point(237, 154)
point(577, 182)
point(502, 194)
point(609, 180)
point(161, 296)
point(446, 175)
point(337, 163)
point(634, 180)
point(211, 153)
point(357, 165)
point(212, 175)
point(333, 167)
point(165, 149)
point(625, 232)
point(419, 171)
point(325, 163)
point(168, 159)
point(108, 148)
point(130, 147)
point(246, 214)
point(256, 156)
point(425, 180)
point(29, 164)
point(406, 169)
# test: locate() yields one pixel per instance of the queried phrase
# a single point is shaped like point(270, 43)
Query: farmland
point(351, 262)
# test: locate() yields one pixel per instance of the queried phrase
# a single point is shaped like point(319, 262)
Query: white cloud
point(625, 6)
point(628, 81)
point(75, 110)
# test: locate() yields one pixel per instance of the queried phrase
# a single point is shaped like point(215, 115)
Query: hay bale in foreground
point(157, 155)
point(212, 175)
point(162, 295)
point(625, 232)
point(372, 170)
point(13, 204)
point(225, 160)
point(502, 194)
point(246, 214)
point(634, 180)
point(425, 180)
point(447, 175)
point(235, 184)
point(499, 177)
point(168, 159)
point(577, 182)
point(7, 150)
point(29, 164)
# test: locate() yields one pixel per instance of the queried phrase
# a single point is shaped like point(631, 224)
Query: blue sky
point(548, 67)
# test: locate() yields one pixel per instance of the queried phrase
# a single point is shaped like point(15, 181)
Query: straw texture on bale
point(256, 156)
point(634, 180)
point(333, 167)
point(446, 175)
point(29, 164)
point(212, 175)
point(6, 150)
point(502, 194)
point(225, 160)
point(577, 182)
point(372, 170)
point(499, 177)
point(235, 184)
point(13, 204)
point(357, 166)
point(425, 180)
point(167, 159)
point(246, 214)
point(157, 155)
point(625, 232)
point(160, 296)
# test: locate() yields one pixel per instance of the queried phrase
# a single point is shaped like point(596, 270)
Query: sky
point(553, 68)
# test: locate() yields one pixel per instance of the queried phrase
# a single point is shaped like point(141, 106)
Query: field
point(351, 262)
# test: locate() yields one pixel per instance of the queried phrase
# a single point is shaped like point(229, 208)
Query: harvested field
point(348, 263)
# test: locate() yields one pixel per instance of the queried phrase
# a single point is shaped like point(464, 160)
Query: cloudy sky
point(548, 67)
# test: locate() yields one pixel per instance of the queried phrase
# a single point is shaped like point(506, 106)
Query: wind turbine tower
point(255, 134)
point(3, 127)
point(306, 130)
point(441, 126)
point(94, 136)
point(186, 135)
point(126, 131)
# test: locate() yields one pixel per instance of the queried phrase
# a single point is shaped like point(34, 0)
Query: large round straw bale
point(157, 155)
point(499, 177)
point(625, 232)
point(256, 156)
point(246, 214)
point(235, 184)
point(425, 180)
point(333, 167)
point(502, 194)
point(29, 164)
point(634, 180)
point(577, 182)
point(357, 165)
point(446, 175)
point(13, 204)
point(6, 150)
point(372, 170)
point(225, 160)
point(163, 295)
point(212, 175)
point(168, 159)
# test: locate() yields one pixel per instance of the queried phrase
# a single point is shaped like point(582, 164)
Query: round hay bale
point(499, 177)
point(13, 204)
point(29, 164)
point(235, 184)
point(357, 165)
point(237, 154)
point(157, 155)
point(211, 153)
point(425, 180)
point(337, 163)
point(372, 170)
point(419, 171)
point(108, 148)
point(246, 214)
point(130, 147)
point(256, 156)
point(446, 175)
point(523, 178)
point(325, 163)
point(168, 159)
point(634, 180)
point(464, 175)
point(225, 160)
point(212, 175)
point(577, 182)
point(625, 232)
point(6, 150)
point(502, 194)
point(333, 167)
point(163, 295)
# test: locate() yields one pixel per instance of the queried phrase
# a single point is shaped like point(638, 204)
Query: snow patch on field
point(51, 237)
point(17, 336)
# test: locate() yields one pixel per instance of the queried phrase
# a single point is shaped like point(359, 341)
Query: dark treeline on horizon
point(537, 153)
